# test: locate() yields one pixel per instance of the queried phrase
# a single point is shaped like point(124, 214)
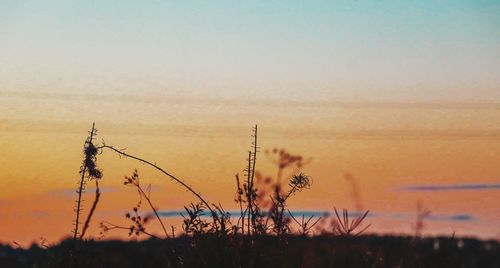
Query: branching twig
point(108, 226)
point(134, 180)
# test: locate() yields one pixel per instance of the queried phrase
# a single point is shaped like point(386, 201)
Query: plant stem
point(154, 210)
point(82, 184)
point(242, 215)
point(249, 192)
point(120, 152)
point(91, 212)
point(254, 160)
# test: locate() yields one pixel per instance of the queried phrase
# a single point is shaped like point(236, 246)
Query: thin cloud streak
point(169, 100)
point(325, 214)
point(73, 127)
point(70, 193)
point(453, 187)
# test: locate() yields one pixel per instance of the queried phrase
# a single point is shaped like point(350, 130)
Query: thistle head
point(300, 181)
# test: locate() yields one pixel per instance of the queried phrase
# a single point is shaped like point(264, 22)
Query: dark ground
point(265, 251)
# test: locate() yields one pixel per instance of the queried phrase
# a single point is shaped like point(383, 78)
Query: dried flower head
point(89, 167)
point(300, 181)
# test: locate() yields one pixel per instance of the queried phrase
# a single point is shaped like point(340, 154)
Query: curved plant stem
point(120, 152)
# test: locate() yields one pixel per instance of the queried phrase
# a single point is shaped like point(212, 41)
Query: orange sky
point(396, 93)
point(385, 146)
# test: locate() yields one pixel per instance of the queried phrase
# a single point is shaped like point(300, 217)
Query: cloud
point(461, 217)
point(306, 213)
point(171, 213)
point(352, 214)
point(452, 187)
point(265, 102)
point(72, 192)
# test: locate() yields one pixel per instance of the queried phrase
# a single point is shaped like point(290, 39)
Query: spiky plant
point(344, 227)
point(305, 225)
point(88, 171)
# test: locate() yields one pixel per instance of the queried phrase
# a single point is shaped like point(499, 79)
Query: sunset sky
point(405, 96)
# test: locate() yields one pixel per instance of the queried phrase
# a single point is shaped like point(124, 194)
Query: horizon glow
point(400, 94)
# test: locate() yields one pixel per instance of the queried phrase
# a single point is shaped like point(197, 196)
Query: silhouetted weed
point(344, 227)
point(88, 171)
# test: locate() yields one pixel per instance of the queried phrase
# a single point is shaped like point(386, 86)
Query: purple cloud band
point(453, 187)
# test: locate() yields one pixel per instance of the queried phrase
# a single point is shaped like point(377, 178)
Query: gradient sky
point(400, 94)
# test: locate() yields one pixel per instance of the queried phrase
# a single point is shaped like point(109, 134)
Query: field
point(261, 251)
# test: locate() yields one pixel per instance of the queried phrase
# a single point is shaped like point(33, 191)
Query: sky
point(405, 96)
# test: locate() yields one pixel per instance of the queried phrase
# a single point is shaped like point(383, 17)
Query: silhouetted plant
point(193, 223)
point(252, 216)
point(138, 222)
point(254, 211)
point(44, 243)
point(88, 171)
point(355, 192)
point(249, 196)
point(137, 225)
point(280, 222)
point(121, 152)
point(239, 199)
point(343, 227)
point(304, 225)
point(136, 228)
point(422, 214)
point(283, 160)
point(134, 181)
point(254, 197)
point(92, 209)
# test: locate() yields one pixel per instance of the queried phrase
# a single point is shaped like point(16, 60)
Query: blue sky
point(407, 50)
